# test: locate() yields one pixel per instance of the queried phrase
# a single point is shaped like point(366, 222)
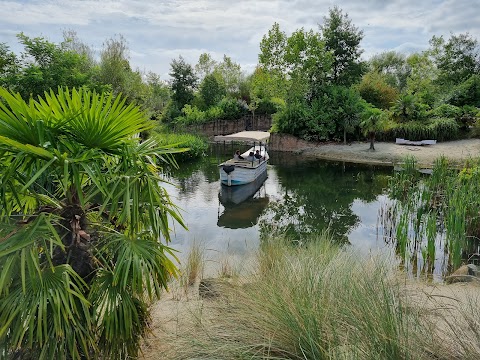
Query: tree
point(298, 63)
point(308, 61)
point(184, 81)
point(341, 106)
point(45, 65)
point(375, 90)
point(343, 39)
point(393, 66)
point(456, 59)
point(9, 67)
point(211, 90)
point(421, 80)
point(373, 121)
point(408, 108)
point(272, 50)
point(205, 66)
point(230, 74)
point(71, 42)
point(158, 94)
point(114, 64)
point(349, 111)
point(84, 226)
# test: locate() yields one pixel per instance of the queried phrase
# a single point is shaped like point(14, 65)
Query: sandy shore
point(391, 154)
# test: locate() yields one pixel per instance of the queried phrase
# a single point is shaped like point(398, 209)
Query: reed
point(435, 213)
point(194, 264)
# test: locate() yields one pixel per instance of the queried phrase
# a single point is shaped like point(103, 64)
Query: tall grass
point(441, 129)
point(315, 302)
point(437, 213)
point(194, 264)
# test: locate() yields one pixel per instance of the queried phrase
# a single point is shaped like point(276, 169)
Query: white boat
point(240, 172)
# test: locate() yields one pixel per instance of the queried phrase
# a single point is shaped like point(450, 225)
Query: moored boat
point(246, 168)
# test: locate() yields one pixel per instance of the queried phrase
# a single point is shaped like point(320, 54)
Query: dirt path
point(390, 153)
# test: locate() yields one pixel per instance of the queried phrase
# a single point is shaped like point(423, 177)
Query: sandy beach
point(390, 153)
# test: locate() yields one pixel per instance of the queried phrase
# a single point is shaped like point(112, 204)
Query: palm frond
point(121, 317)
point(141, 263)
point(54, 314)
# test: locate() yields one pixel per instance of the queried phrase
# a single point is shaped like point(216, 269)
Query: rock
point(465, 273)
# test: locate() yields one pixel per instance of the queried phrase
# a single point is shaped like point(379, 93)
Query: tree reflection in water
point(315, 195)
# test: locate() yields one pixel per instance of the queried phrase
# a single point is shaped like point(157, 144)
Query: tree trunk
point(372, 141)
point(344, 136)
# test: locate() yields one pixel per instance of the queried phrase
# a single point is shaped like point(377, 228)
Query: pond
point(300, 196)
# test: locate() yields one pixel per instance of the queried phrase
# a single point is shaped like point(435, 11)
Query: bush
point(170, 113)
point(232, 108)
point(467, 93)
point(292, 119)
point(445, 111)
point(441, 129)
point(196, 145)
point(329, 116)
point(468, 116)
point(192, 115)
point(267, 106)
point(214, 113)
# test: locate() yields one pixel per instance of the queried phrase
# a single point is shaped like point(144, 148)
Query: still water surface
point(299, 196)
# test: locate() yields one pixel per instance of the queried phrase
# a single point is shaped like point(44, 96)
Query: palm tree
point(84, 226)
point(373, 120)
point(405, 108)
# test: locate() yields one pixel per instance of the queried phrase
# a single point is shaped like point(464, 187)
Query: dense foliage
point(312, 79)
point(84, 226)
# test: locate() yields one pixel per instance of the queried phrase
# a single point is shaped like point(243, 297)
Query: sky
point(159, 31)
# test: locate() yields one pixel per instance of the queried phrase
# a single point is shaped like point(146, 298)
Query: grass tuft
point(322, 302)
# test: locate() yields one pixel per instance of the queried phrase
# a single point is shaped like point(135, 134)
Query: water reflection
point(300, 196)
point(243, 204)
point(315, 194)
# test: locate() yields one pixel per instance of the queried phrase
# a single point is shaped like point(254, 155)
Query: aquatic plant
point(434, 213)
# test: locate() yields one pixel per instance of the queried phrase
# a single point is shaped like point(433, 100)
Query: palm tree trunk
point(344, 136)
point(372, 141)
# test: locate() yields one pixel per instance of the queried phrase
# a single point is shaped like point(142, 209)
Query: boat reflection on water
point(242, 204)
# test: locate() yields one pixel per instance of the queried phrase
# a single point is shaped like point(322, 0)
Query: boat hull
point(242, 173)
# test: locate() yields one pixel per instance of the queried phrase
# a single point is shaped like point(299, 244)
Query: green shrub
point(193, 115)
point(214, 113)
point(445, 129)
point(441, 129)
point(310, 123)
point(292, 119)
point(445, 111)
point(170, 113)
point(266, 106)
point(467, 93)
point(232, 108)
point(468, 116)
point(196, 145)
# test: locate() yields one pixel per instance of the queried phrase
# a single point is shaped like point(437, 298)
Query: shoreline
point(391, 154)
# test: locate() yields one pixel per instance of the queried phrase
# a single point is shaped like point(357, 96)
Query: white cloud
point(158, 31)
